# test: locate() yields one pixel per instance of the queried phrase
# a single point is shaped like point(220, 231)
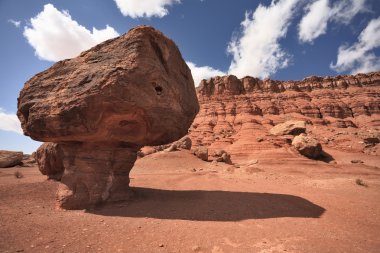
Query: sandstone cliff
point(236, 114)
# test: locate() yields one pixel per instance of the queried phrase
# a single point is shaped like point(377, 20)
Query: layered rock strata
point(104, 105)
point(237, 114)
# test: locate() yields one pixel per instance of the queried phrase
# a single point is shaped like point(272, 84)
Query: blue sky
point(280, 39)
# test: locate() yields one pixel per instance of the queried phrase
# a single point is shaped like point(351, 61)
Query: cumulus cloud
point(257, 50)
point(56, 36)
point(144, 8)
point(204, 72)
point(16, 23)
point(319, 13)
point(9, 122)
point(359, 57)
point(314, 23)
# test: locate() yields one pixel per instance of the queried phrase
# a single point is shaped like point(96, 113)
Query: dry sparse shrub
point(18, 174)
point(361, 182)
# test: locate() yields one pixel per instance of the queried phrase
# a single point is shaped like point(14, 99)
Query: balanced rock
point(49, 160)
point(307, 146)
point(104, 105)
point(10, 158)
point(293, 127)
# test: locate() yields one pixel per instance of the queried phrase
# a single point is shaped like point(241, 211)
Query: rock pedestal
point(94, 173)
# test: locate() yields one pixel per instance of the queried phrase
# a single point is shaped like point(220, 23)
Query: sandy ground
point(183, 204)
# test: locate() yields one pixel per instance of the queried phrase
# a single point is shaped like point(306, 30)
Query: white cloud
point(319, 13)
point(9, 122)
point(314, 23)
point(257, 51)
point(16, 23)
point(144, 8)
point(345, 11)
point(359, 57)
point(205, 72)
point(56, 36)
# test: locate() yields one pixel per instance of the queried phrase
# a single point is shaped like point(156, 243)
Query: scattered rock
point(221, 156)
point(252, 162)
point(49, 160)
point(196, 248)
point(103, 106)
point(357, 161)
point(292, 127)
point(171, 148)
point(29, 160)
point(10, 158)
point(371, 140)
point(201, 152)
point(307, 146)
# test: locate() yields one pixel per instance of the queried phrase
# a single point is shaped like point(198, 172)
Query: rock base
point(94, 174)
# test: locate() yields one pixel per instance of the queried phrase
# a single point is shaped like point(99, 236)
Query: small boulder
point(10, 158)
point(49, 160)
point(307, 146)
point(221, 156)
point(201, 152)
point(293, 127)
point(184, 143)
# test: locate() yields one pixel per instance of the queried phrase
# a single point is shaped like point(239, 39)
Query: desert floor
point(183, 204)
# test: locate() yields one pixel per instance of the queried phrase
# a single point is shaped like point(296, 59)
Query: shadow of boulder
point(201, 205)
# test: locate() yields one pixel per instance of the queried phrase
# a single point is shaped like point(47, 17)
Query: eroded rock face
point(49, 159)
point(10, 158)
point(237, 114)
point(104, 105)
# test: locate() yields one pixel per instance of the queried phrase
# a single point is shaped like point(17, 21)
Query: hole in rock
point(158, 90)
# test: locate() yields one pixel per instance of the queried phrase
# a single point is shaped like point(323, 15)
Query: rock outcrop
point(104, 105)
point(10, 158)
point(237, 114)
point(49, 159)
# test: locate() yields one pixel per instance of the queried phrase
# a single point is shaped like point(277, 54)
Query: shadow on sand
point(204, 205)
point(326, 157)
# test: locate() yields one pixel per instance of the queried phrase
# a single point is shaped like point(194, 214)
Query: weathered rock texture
point(307, 146)
point(10, 158)
point(237, 114)
point(49, 159)
point(104, 105)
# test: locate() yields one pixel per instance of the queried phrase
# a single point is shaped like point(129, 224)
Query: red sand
point(183, 204)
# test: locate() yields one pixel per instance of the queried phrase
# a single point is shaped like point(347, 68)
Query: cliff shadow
point(202, 205)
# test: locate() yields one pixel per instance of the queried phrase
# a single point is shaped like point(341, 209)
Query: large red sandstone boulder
point(104, 105)
point(10, 158)
point(307, 146)
point(49, 160)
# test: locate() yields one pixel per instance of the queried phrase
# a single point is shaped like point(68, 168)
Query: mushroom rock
point(103, 106)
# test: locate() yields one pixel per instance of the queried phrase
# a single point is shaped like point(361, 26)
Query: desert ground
point(184, 204)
